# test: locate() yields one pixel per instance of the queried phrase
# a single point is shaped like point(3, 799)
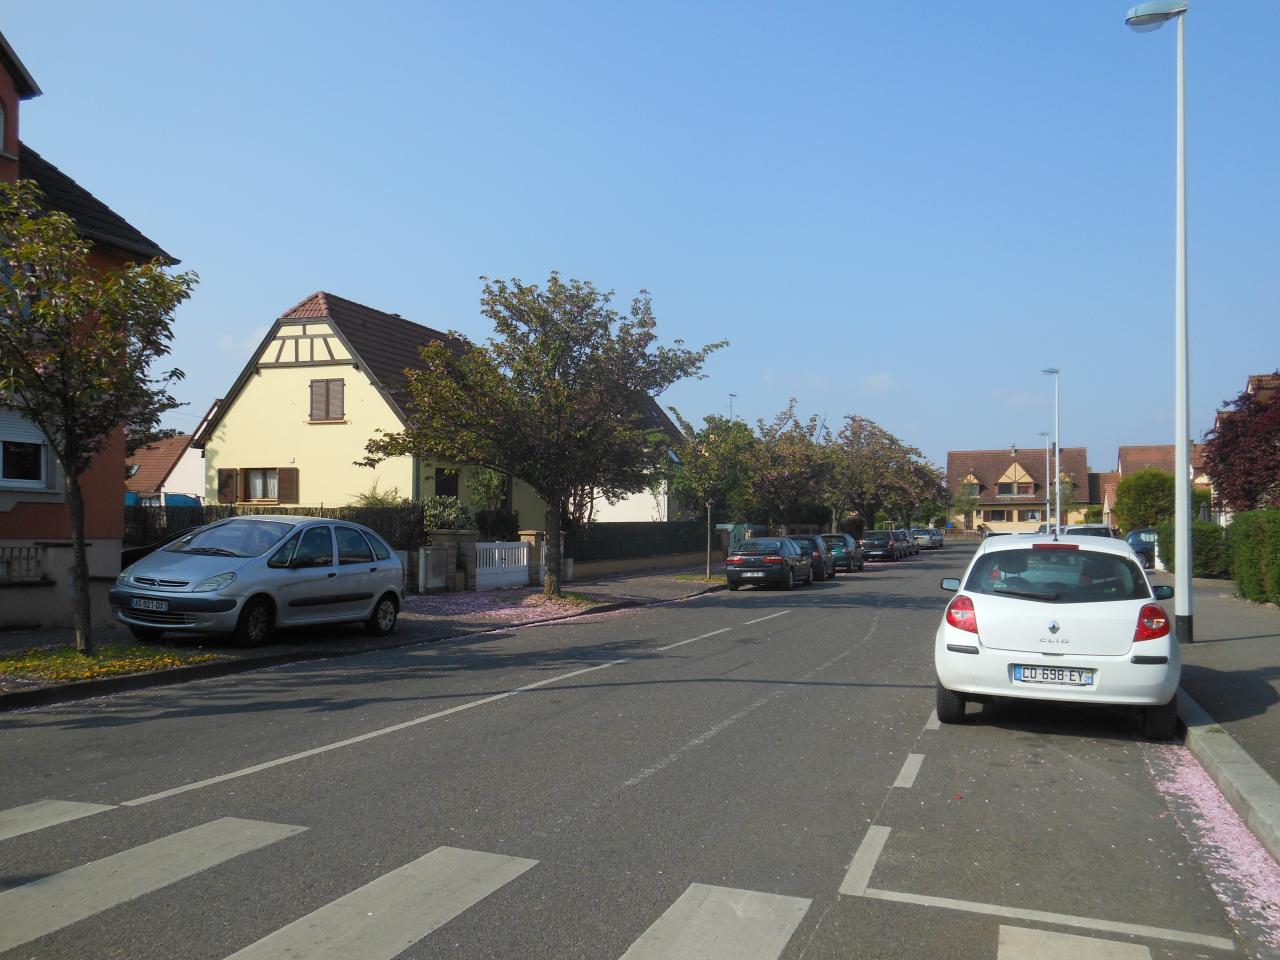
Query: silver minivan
point(247, 576)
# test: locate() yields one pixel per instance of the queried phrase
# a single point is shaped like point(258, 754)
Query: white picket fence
point(502, 565)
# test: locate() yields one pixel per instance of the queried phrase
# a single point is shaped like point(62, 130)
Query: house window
point(1004, 489)
point(260, 485)
point(22, 462)
point(997, 516)
point(1029, 515)
point(1026, 489)
point(327, 400)
point(446, 482)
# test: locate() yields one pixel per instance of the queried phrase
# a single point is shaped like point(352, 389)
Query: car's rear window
point(834, 539)
point(877, 537)
point(1057, 576)
point(1088, 532)
point(759, 546)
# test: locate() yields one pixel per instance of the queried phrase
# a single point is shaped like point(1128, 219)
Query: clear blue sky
point(899, 214)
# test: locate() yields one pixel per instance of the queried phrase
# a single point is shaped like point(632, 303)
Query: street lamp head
point(1043, 433)
point(1052, 371)
point(1146, 17)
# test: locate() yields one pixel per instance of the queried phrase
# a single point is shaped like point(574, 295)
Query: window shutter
point(337, 389)
point(228, 486)
point(317, 400)
point(287, 485)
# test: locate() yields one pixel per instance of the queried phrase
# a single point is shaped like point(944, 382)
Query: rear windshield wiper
point(1025, 593)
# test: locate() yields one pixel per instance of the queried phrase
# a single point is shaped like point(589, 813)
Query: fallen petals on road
point(496, 606)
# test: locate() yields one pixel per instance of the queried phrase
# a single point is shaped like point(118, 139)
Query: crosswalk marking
point(718, 923)
point(44, 813)
point(1020, 943)
point(51, 903)
point(387, 916)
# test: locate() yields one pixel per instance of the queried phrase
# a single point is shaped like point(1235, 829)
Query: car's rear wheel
point(1160, 723)
point(383, 619)
point(950, 705)
point(790, 582)
point(146, 634)
point(732, 585)
point(257, 620)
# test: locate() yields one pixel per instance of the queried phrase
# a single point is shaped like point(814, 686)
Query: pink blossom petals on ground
point(491, 607)
point(1242, 873)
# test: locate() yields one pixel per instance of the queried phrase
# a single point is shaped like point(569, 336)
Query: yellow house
point(326, 378)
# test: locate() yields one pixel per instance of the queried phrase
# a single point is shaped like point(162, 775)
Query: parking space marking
point(911, 767)
point(16, 821)
point(681, 643)
point(1021, 943)
point(769, 617)
point(864, 861)
point(933, 723)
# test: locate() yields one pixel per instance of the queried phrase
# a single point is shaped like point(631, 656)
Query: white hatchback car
point(1069, 620)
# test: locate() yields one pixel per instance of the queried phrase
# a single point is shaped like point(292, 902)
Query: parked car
point(880, 545)
point(1088, 530)
point(824, 564)
point(906, 544)
point(247, 576)
point(768, 561)
point(1143, 542)
point(923, 537)
point(1044, 619)
point(845, 552)
point(939, 538)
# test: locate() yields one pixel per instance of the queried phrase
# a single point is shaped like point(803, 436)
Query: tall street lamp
point(1057, 451)
point(1145, 17)
point(1045, 434)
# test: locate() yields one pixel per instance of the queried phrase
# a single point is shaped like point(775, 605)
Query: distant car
point(845, 551)
point(939, 538)
point(824, 564)
point(880, 545)
point(1143, 542)
point(768, 561)
point(1088, 530)
point(907, 543)
point(247, 576)
point(922, 538)
point(1045, 619)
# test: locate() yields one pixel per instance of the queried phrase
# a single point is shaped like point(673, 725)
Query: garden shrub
point(446, 513)
point(1208, 549)
point(1254, 538)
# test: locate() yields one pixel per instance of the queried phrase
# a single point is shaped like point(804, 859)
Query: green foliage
point(446, 513)
point(963, 503)
point(373, 497)
point(498, 525)
point(788, 467)
point(486, 489)
point(713, 463)
point(1208, 549)
point(1144, 499)
point(1093, 514)
point(560, 397)
point(1254, 538)
point(77, 345)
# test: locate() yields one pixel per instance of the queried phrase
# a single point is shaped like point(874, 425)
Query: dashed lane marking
point(719, 923)
point(769, 617)
point(911, 767)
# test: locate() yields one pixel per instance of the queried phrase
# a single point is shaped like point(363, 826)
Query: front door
point(307, 576)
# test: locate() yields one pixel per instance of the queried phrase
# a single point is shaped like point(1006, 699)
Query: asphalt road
point(743, 776)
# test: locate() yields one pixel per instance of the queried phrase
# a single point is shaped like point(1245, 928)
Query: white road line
point(769, 617)
point(681, 643)
point(350, 741)
point(718, 923)
point(384, 918)
point(44, 813)
point(864, 861)
point(1058, 919)
point(51, 903)
point(907, 775)
point(933, 723)
point(1021, 943)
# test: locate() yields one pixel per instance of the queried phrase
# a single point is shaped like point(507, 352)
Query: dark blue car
point(1143, 542)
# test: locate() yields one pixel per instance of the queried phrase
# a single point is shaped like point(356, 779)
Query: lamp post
point(1143, 18)
point(1057, 451)
point(1045, 434)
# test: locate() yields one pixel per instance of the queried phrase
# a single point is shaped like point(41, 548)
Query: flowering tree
point(76, 349)
point(1242, 453)
point(789, 468)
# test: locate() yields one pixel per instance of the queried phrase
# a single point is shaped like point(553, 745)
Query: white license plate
point(753, 573)
point(1062, 676)
point(142, 603)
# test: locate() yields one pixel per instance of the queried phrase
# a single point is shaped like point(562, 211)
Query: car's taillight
point(734, 562)
point(815, 555)
point(1153, 623)
point(961, 615)
point(773, 559)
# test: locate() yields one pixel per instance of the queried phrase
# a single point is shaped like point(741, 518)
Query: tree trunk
point(551, 585)
point(79, 569)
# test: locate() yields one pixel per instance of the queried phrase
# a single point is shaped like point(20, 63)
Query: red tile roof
point(155, 463)
point(988, 466)
point(1154, 456)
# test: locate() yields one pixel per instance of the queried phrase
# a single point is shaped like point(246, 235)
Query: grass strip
point(64, 664)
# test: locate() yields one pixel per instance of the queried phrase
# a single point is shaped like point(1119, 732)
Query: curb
point(84, 689)
point(1252, 792)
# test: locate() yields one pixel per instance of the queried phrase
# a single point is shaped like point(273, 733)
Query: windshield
point(1058, 576)
point(241, 537)
point(759, 546)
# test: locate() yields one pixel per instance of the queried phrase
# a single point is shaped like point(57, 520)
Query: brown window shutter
point(337, 389)
point(317, 400)
point(228, 486)
point(287, 485)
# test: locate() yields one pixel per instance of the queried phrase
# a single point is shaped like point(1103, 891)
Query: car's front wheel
point(950, 705)
point(1161, 722)
point(790, 582)
point(257, 620)
point(383, 619)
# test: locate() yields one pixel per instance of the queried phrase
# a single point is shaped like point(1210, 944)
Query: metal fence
point(22, 564)
point(630, 541)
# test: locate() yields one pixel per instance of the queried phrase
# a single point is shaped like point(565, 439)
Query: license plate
point(1063, 676)
point(753, 573)
point(142, 603)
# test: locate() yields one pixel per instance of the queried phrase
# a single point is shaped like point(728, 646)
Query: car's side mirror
point(951, 584)
point(1164, 593)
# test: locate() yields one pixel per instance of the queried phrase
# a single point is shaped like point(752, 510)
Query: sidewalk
point(424, 618)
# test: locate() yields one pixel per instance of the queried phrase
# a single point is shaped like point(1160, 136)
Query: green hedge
point(1255, 554)
point(1208, 549)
